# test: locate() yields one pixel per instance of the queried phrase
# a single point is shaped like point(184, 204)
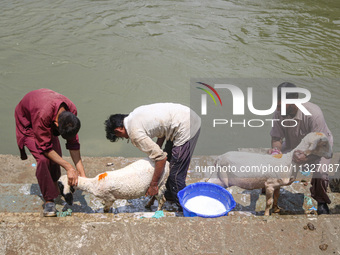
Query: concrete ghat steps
point(130, 230)
point(28, 233)
point(23, 230)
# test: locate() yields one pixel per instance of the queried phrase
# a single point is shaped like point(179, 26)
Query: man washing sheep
point(174, 123)
point(41, 116)
point(284, 139)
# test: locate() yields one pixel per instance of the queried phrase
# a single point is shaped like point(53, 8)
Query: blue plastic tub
point(209, 190)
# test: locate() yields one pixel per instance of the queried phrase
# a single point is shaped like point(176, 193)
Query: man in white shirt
point(175, 123)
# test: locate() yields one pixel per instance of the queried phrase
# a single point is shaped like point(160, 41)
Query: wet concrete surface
point(128, 229)
point(29, 233)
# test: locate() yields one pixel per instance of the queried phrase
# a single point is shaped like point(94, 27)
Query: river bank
point(128, 229)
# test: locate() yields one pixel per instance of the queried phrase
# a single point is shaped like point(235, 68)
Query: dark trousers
point(47, 171)
point(319, 187)
point(320, 182)
point(179, 158)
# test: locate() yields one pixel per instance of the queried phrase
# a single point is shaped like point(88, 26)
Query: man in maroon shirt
point(40, 117)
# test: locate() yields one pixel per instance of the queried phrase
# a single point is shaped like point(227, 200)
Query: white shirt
point(175, 122)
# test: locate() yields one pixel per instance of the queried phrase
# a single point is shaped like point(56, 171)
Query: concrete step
point(20, 198)
point(28, 233)
point(294, 199)
point(28, 198)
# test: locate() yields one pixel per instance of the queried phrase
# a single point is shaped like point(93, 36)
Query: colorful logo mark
point(209, 93)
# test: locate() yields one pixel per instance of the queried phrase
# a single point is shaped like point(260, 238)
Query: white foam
point(205, 205)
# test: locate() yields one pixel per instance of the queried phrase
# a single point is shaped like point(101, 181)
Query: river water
point(112, 56)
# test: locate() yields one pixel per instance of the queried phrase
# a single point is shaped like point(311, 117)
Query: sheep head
point(318, 145)
point(66, 190)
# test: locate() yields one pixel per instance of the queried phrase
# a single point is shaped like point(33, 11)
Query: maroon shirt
point(35, 115)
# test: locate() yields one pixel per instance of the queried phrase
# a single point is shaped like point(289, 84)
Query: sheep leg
point(222, 180)
point(107, 206)
point(161, 200)
point(269, 200)
point(150, 203)
point(217, 181)
point(275, 208)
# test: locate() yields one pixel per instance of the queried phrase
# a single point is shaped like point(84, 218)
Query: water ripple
point(136, 52)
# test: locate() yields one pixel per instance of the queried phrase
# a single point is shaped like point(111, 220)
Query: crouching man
point(174, 123)
point(285, 139)
point(41, 116)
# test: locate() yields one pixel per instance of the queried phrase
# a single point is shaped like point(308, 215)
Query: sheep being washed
point(312, 144)
point(129, 182)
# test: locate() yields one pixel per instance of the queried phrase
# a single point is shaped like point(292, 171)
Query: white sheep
point(254, 171)
point(129, 182)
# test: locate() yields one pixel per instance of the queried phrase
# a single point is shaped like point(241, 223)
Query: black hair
point(291, 95)
point(69, 125)
point(113, 122)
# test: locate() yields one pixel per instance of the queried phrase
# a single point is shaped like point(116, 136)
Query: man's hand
point(72, 176)
point(276, 146)
point(159, 168)
point(75, 155)
point(274, 151)
point(300, 157)
point(152, 190)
